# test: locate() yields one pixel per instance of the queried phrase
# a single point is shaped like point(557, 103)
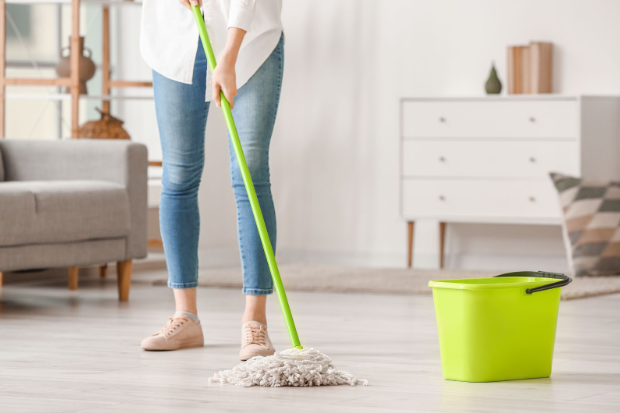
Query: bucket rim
point(506, 282)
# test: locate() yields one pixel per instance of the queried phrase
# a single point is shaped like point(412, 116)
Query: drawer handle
point(532, 119)
point(442, 119)
point(442, 198)
point(532, 159)
point(442, 159)
point(532, 199)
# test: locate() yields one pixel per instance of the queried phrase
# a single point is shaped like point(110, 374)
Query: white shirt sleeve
point(241, 14)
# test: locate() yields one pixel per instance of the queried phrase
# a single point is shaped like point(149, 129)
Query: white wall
point(335, 148)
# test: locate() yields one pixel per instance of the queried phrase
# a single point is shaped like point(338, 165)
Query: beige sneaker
point(255, 341)
point(178, 333)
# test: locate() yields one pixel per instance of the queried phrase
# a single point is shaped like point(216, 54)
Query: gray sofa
point(73, 203)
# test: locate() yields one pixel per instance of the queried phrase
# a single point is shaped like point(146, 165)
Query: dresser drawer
point(423, 158)
point(491, 119)
point(481, 200)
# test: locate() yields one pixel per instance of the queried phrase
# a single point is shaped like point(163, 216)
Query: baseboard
point(229, 257)
point(508, 263)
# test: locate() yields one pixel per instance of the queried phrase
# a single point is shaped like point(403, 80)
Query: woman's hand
point(224, 77)
point(190, 3)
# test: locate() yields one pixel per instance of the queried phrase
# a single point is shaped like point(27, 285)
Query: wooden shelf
point(59, 81)
point(129, 83)
point(71, 82)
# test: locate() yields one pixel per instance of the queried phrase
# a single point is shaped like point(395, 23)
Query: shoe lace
point(171, 326)
point(255, 334)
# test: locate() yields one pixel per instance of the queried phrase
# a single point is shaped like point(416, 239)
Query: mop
point(297, 366)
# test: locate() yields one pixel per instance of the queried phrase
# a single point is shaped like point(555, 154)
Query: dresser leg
point(410, 227)
point(442, 244)
point(103, 270)
point(73, 278)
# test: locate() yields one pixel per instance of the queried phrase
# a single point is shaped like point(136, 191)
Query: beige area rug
point(310, 277)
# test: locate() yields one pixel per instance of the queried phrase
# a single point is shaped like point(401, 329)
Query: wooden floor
point(64, 351)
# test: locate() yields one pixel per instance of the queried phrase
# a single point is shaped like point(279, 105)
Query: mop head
point(293, 367)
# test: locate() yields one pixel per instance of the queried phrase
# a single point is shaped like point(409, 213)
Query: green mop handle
point(249, 187)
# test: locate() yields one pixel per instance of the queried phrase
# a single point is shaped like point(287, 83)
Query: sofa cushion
point(37, 212)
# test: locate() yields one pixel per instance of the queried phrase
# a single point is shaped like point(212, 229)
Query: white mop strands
point(293, 367)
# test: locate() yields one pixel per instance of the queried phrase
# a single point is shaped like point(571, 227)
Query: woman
point(248, 40)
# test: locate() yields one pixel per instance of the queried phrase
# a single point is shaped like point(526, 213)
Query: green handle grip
point(249, 187)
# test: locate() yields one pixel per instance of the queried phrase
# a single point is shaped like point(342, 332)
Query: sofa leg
point(103, 270)
point(123, 270)
point(1, 279)
point(73, 278)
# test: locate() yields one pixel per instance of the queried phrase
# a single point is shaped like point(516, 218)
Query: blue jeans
point(182, 116)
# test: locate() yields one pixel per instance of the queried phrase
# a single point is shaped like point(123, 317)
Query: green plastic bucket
point(500, 328)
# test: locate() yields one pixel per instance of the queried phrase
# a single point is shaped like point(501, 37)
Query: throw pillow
point(591, 224)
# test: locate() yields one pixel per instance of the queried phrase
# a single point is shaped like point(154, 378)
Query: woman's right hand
point(190, 3)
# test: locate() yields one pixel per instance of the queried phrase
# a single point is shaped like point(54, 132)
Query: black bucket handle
point(564, 279)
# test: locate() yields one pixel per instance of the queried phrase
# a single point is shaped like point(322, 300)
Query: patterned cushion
point(591, 224)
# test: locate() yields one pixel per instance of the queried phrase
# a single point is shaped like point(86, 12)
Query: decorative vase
point(493, 86)
point(87, 66)
point(108, 127)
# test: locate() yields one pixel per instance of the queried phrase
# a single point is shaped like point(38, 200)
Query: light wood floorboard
point(78, 351)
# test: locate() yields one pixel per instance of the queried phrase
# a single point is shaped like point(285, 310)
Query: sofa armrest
point(123, 162)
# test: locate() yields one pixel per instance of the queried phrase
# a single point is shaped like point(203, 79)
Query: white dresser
point(487, 159)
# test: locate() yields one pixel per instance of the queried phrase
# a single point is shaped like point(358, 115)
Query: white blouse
point(169, 35)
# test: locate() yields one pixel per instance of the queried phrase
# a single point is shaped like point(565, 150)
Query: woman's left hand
point(224, 79)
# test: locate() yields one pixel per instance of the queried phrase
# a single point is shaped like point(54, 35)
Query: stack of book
point(529, 68)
